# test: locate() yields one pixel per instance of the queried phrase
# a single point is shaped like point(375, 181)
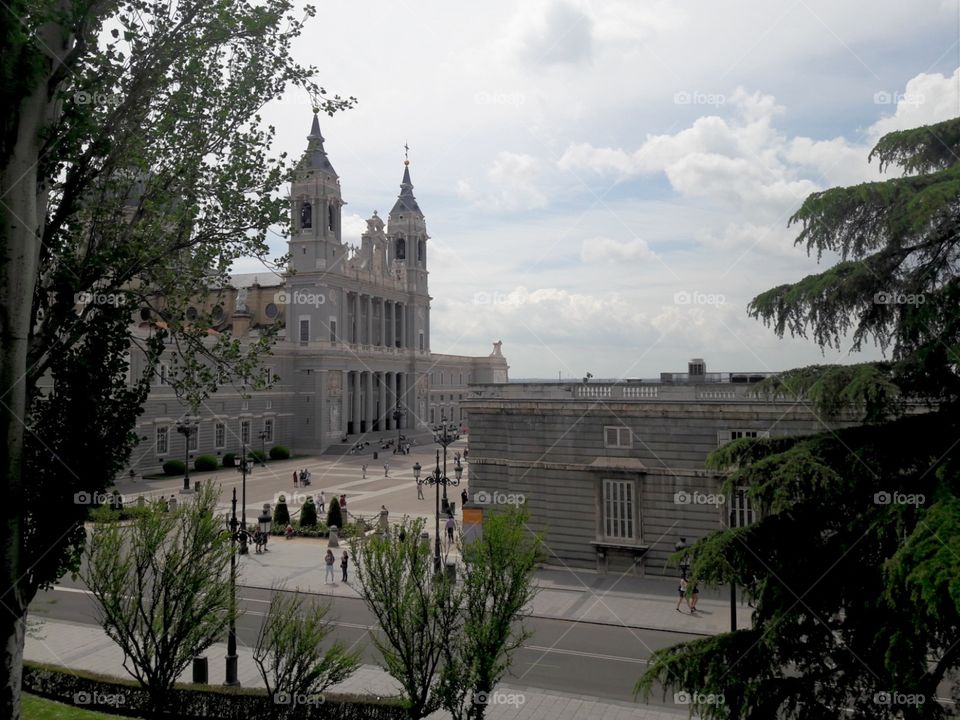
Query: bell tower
point(315, 207)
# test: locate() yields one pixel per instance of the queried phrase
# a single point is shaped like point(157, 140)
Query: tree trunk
point(22, 211)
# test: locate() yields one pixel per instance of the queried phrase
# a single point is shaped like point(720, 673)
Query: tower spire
point(406, 202)
point(315, 157)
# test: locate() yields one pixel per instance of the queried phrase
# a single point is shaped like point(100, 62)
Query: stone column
point(383, 322)
point(391, 310)
point(356, 401)
point(403, 325)
point(402, 381)
point(369, 304)
point(389, 379)
point(368, 388)
point(356, 318)
point(384, 410)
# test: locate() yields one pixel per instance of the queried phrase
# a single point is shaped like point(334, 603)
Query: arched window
point(401, 253)
point(420, 249)
point(306, 215)
point(331, 218)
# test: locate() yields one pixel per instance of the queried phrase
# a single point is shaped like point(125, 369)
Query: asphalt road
point(578, 658)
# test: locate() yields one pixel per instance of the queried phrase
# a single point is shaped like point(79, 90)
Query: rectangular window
point(163, 434)
point(421, 342)
point(245, 432)
point(193, 443)
point(433, 416)
point(304, 330)
point(616, 436)
point(333, 330)
point(268, 430)
point(269, 405)
point(725, 436)
point(618, 510)
point(162, 378)
point(743, 514)
point(220, 435)
point(245, 405)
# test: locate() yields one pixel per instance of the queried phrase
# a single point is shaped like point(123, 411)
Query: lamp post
point(444, 439)
point(264, 522)
point(438, 478)
point(246, 466)
point(397, 415)
point(263, 447)
point(236, 535)
point(187, 427)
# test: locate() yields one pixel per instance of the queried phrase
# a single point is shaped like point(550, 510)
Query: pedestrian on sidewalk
point(344, 561)
point(309, 475)
point(419, 490)
point(322, 502)
point(364, 468)
point(386, 469)
point(343, 501)
point(464, 498)
point(328, 560)
point(682, 589)
point(296, 479)
point(694, 596)
point(451, 524)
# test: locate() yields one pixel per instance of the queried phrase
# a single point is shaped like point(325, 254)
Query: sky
point(607, 184)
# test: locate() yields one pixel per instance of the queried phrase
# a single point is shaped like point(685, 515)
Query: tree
point(308, 514)
point(334, 516)
point(133, 171)
point(281, 514)
point(288, 651)
point(852, 565)
point(497, 586)
point(416, 611)
point(162, 587)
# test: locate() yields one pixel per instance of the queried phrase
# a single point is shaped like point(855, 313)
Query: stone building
point(613, 473)
point(355, 337)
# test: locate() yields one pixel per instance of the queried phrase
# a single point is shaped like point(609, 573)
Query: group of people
point(301, 477)
point(329, 561)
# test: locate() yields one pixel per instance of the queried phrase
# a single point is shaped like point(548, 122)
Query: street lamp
point(444, 439)
point(263, 434)
point(397, 415)
point(246, 466)
point(437, 479)
point(264, 522)
point(187, 428)
point(236, 535)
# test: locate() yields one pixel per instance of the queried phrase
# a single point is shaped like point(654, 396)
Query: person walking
point(328, 560)
point(694, 596)
point(364, 468)
point(386, 469)
point(344, 561)
point(682, 589)
point(296, 478)
point(343, 501)
point(419, 490)
point(464, 498)
point(450, 526)
point(322, 502)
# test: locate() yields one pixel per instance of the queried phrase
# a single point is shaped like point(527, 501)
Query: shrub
point(334, 516)
point(308, 514)
point(174, 467)
point(230, 460)
point(281, 515)
point(205, 463)
point(258, 455)
point(279, 452)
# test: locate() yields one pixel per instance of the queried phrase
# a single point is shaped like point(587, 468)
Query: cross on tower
point(406, 152)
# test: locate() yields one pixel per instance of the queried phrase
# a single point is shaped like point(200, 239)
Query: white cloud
point(511, 184)
point(352, 227)
point(606, 250)
point(551, 32)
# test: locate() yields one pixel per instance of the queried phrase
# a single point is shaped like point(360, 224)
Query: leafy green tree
point(133, 169)
point(162, 588)
point(853, 564)
point(497, 586)
point(334, 515)
point(416, 610)
point(289, 656)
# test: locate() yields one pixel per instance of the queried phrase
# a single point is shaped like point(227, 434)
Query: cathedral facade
point(354, 356)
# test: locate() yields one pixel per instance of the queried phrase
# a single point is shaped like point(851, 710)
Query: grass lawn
point(37, 708)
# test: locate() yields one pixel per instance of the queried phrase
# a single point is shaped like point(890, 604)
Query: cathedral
point(354, 351)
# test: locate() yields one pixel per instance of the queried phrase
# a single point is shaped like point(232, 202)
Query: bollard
point(200, 674)
point(452, 571)
point(333, 540)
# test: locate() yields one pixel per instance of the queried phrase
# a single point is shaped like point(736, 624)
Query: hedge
point(205, 463)
point(195, 702)
point(279, 452)
point(174, 467)
point(258, 455)
point(230, 460)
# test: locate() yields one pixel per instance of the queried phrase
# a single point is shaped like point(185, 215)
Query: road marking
point(581, 653)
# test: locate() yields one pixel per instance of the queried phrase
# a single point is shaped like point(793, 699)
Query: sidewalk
point(578, 595)
point(87, 646)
